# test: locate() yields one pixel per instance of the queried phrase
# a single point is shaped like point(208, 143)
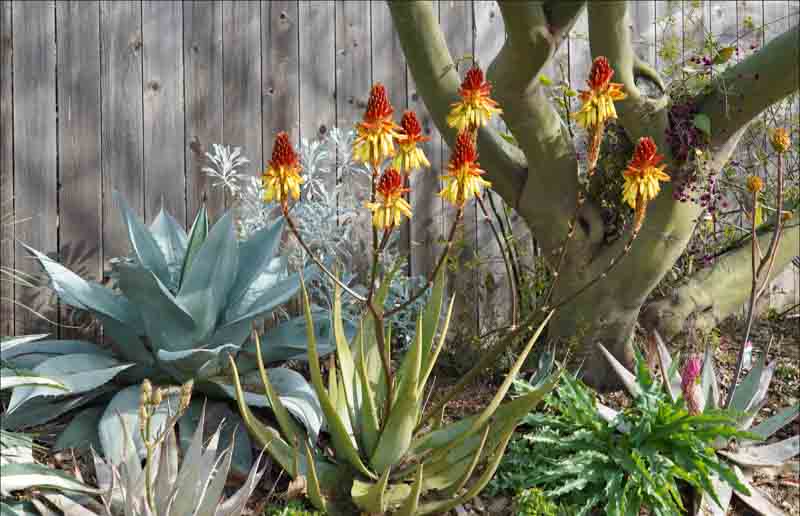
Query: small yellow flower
point(376, 132)
point(282, 177)
point(410, 156)
point(390, 207)
point(779, 139)
point(476, 106)
point(642, 178)
point(755, 184)
point(598, 101)
point(463, 180)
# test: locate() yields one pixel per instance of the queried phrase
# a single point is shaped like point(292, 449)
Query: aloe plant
point(383, 456)
point(181, 304)
point(748, 398)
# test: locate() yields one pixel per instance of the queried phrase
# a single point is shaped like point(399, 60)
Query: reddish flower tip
point(283, 153)
point(391, 183)
point(410, 124)
point(473, 80)
point(645, 153)
point(600, 74)
point(464, 150)
point(378, 106)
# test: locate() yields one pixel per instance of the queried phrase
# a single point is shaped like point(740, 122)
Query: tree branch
point(714, 293)
point(746, 89)
point(438, 81)
point(549, 197)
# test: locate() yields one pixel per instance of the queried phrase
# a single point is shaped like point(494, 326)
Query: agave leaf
point(67, 506)
point(708, 507)
point(11, 378)
point(232, 429)
point(144, 245)
point(17, 477)
point(15, 448)
point(214, 488)
point(404, 414)
point(194, 473)
point(768, 455)
point(372, 498)
point(123, 410)
point(197, 235)
point(767, 428)
point(235, 505)
point(287, 341)
point(41, 410)
point(343, 442)
point(81, 432)
point(708, 383)
point(277, 295)
point(275, 271)
point(628, 378)
point(205, 287)
point(171, 239)
point(760, 395)
point(79, 293)
point(670, 376)
point(7, 343)
point(27, 354)
point(78, 373)
point(200, 363)
point(126, 342)
point(744, 393)
point(168, 469)
point(256, 255)
point(168, 325)
point(757, 500)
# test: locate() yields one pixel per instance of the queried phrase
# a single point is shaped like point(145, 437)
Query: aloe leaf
point(205, 287)
point(267, 437)
point(256, 255)
point(144, 245)
point(79, 293)
point(197, 235)
point(430, 316)
point(411, 503)
point(124, 410)
point(17, 477)
point(215, 487)
point(314, 487)
point(628, 379)
point(457, 486)
point(768, 455)
point(371, 497)
point(764, 381)
point(670, 376)
point(343, 443)
point(77, 373)
point(194, 474)
point(171, 239)
point(81, 432)
point(289, 428)
point(235, 505)
point(345, 356)
point(757, 500)
point(768, 427)
point(708, 382)
point(167, 323)
point(367, 334)
point(434, 356)
point(168, 469)
point(368, 413)
point(398, 431)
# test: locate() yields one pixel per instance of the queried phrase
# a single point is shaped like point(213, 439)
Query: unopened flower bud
point(158, 397)
point(147, 391)
point(779, 139)
point(144, 416)
point(755, 184)
point(689, 383)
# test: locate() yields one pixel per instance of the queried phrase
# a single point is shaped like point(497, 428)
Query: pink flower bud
point(689, 383)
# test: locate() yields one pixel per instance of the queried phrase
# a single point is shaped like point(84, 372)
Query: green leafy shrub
point(293, 508)
point(639, 458)
point(533, 502)
point(182, 303)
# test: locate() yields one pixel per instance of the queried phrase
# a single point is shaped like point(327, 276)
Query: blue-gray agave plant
point(749, 397)
point(183, 303)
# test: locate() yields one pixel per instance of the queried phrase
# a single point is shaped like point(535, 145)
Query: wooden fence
point(127, 95)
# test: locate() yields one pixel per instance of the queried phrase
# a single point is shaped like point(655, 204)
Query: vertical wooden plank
point(6, 171)
point(79, 167)
point(317, 69)
point(202, 56)
point(353, 81)
point(426, 226)
point(122, 137)
point(35, 145)
point(162, 66)
point(389, 68)
point(280, 58)
point(241, 22)
point(457, 25)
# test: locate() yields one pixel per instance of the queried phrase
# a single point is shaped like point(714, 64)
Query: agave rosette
point(382, 455)
point(182, 304)
point(749, 397)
